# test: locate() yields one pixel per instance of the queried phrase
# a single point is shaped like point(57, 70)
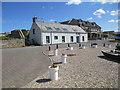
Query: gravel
point(88, 69)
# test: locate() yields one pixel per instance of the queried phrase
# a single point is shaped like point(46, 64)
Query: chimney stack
point(35, 19)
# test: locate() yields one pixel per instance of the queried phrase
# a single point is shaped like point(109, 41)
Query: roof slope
point(59, 27)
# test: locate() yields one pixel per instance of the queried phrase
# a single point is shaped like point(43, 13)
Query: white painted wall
point(59, 40)
point(36, 37)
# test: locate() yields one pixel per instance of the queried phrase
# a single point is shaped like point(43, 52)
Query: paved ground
point(22, 65)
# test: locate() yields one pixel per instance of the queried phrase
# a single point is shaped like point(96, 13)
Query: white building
point(43, 33)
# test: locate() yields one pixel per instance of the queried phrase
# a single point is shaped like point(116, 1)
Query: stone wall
point(12, 43)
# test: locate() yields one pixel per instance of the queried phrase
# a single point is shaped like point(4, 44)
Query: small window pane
point(74, 29)
point(64, 29)
point(49, 28)
point(57, 28)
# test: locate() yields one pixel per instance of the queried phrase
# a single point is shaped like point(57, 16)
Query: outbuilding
point(43, 33)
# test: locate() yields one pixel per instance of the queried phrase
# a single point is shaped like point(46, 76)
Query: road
point(22, 65)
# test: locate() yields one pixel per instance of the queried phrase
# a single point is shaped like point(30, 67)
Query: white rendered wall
point(85, 37)
point(36, 37)
point(59, 40)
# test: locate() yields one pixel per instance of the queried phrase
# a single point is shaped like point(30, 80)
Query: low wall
point(12, 43)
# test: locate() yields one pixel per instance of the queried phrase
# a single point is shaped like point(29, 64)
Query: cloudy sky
point(18, 15)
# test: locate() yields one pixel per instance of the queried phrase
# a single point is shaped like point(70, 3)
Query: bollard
point(56, 52)
point(63, 58)
point(53, 72)
point(68, 45)
point(57, 46)
point(91, 44)
point(82, 47)
point(79, 45)
point(49, 48)
point(104, 45)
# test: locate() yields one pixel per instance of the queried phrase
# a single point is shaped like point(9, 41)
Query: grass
point(114, 40)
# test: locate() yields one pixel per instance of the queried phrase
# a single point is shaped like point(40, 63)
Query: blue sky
point(18, 15)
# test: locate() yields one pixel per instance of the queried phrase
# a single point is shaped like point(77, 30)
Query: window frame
point(71, 38)
point(48, 39)
point(63, 39)
point(33, 31)
point(55, 38)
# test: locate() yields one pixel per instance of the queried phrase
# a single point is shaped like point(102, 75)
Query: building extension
point(93, 30)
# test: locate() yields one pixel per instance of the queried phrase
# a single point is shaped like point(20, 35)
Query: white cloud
point(114, 20)
point(115, 13)
point(90, 18)
point(108, 1)
point(107, 11)
point(76, 2)
point(52, 20)
point(99, 12)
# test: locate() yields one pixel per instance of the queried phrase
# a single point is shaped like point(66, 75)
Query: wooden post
point(68, 45)
point(79, 44)
point(56, 46)
point(49, 48)
point(104, 45)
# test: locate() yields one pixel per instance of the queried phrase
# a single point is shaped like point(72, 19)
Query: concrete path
point(21, 65)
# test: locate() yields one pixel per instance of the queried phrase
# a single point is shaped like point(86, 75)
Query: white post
point(63, 59)
point(53, 73)
point(56, 52)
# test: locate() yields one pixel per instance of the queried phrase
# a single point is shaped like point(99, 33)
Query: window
point(63, 38)
point(71, 38)
point(33, 31)
point(49, 28)
point(74, 29)
point(55, 37)
point(82, 38)
point(64, 29)
point(57, 28)
point(47, 39)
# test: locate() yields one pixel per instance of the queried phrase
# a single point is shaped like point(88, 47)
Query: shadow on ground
point(109, 59)
point(43, 80)
point(57, 63)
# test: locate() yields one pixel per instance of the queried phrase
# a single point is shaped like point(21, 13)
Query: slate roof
point(49, 26)
point(83, 23)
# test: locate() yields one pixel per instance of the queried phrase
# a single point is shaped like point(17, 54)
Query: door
point(77, 39)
